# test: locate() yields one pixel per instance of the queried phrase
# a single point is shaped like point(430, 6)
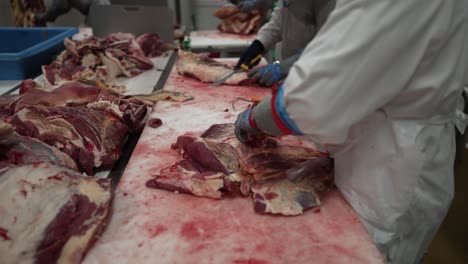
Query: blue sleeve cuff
point(282, 114)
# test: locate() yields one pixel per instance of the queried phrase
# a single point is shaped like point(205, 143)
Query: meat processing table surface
point(214, 40)
point(156, 226)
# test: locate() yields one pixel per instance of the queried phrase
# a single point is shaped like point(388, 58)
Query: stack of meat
point(281, 176)
point(83, 121)
point(51, 212)
point(118, 54)
point(237, 22)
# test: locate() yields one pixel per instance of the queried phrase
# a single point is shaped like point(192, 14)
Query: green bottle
point(186, 44)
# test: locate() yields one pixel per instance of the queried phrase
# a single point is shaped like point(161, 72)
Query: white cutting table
point(7, 85)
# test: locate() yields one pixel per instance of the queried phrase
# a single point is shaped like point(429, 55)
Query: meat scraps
point(207, 70)
point(152, 46)
point(18, 150)
point(237, 22)
point(50, 214)
point(282, 177)
point(118, 54)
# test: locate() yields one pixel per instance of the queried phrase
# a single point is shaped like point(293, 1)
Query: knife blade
point(243, 67)
point(225, 77)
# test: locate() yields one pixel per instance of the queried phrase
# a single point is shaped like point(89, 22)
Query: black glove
point(255, 49)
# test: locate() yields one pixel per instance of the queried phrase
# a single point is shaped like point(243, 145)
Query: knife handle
point(254, 60)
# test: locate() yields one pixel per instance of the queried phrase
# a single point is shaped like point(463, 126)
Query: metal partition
point(136, 19)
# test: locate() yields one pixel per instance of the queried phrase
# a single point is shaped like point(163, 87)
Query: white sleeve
point(271, 33)
point(362, 58)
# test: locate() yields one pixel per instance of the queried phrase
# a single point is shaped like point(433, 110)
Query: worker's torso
point(399, 159)
point(301, 20)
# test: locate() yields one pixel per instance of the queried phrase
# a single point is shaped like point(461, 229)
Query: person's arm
point(58, 8)
point(362, 58)
point(270, 33)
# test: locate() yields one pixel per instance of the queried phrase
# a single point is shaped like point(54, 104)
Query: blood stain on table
point(239, 249)
point(249, 261)
point(155, 231)
point(198, 229)
point(142, 150)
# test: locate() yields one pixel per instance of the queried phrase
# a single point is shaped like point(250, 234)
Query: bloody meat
point(50, 214)
point(281, 177)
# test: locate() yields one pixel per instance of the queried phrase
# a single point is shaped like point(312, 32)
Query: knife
point(242, 68)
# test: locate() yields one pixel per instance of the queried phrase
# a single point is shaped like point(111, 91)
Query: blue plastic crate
point(24, 50)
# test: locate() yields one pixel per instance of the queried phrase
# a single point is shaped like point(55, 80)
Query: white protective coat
point(294, 23)
point(378, 86)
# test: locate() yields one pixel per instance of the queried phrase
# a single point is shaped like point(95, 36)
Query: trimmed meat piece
point(188, 177)
point(92, 138)
point(152, 46)
point(240, 22)
point(103, 59)
point(226, 11)
point(207, 70)
point(293, 191)
point(282, 177)
point(50, 214)
point(17, 150)
point(131, 111)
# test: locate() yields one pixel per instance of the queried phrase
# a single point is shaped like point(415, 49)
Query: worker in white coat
point(59, 7)
point(378, 87)
point(294, 23)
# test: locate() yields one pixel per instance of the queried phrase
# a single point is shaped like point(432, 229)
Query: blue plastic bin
point(24, 50)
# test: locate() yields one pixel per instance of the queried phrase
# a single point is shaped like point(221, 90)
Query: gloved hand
point(273, 73)
point(255, 49)
point(243, 129)
point(247, 5)
point(267, 75)
point(257, 121)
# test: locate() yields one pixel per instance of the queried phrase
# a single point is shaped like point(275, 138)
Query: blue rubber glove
point(267, 75)
point(275, 72)
point(243, 130)
point(247, 5)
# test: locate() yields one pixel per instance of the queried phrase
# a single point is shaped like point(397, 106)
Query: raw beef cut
point(282, 177)
point(153, 46)
point(237, 22)
point(50, 214)
point(225, 11)
point(91, 137)
point(18, 150)
point(131, 111)
point(85, 122)
point(207, 70)
point(104, 59)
